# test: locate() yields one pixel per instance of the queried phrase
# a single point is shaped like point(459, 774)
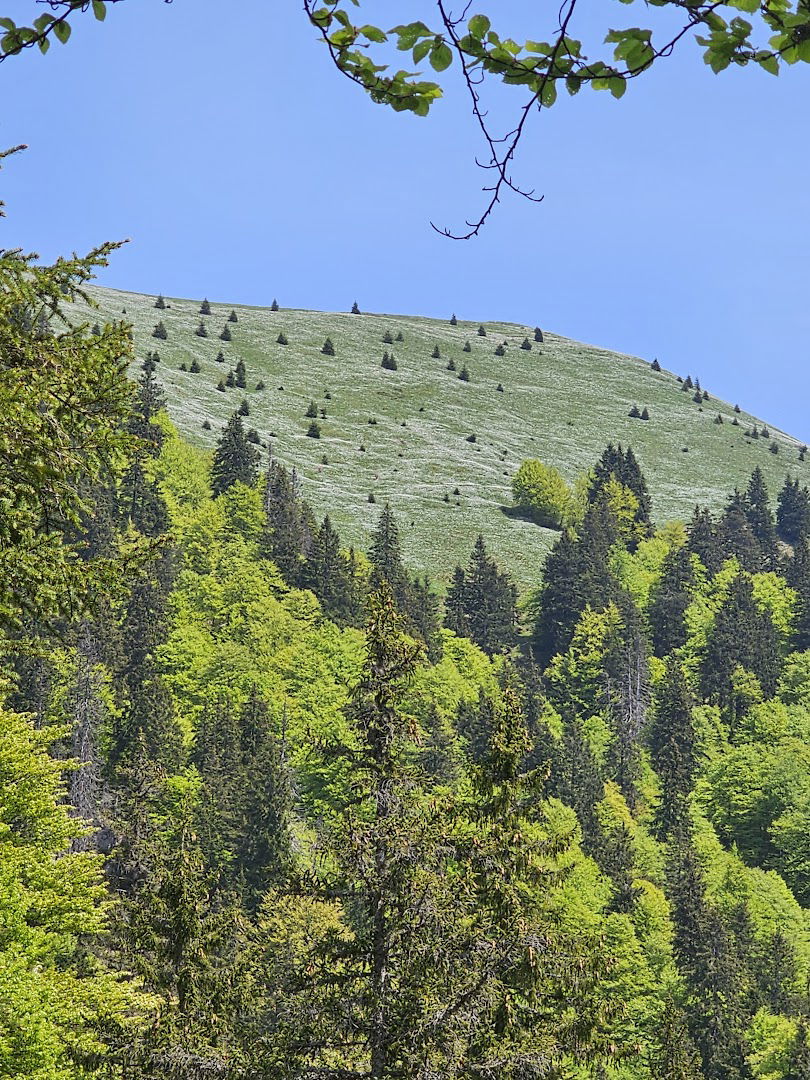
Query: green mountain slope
point(562, 401)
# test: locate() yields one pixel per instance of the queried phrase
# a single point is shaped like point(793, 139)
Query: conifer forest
point(277, 806)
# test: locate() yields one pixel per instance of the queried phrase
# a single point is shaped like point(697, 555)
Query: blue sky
point(676, 222)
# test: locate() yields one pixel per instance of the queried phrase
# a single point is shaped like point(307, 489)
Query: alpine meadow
point(386, 696)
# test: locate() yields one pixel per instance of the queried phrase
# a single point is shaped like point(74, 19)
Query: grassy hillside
point(562, 401)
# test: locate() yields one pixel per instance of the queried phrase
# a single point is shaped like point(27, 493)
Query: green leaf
point(373, 33)
point(62, 31)
point(479, 26)
point(44, 45)
point(617, 86)
point(769, 63)
point(548, 94)
point(9, 24)
point(441, 56)
point(421, 50)
point(100, 10)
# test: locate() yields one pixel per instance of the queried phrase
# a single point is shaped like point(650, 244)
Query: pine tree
point(312, 410)
point(314, 430)
point(670, 598)
point(453, 320)
point(230, 379)
point(793, 511)
point(234, 458)
point(195, 366)
point(655, 365)
point(220, 357)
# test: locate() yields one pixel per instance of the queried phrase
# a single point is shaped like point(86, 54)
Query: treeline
point(327, 827)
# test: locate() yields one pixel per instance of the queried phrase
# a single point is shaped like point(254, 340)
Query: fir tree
point(274, 305)
point(481, 602)
point(244, 408)
point(234, 458)
point(466, 347)
point(160, 331)
point(282, 339)
point(655, 365)
point(328, 349)
point(388, 362)
point(289, 527)
point(202, 330)
point(233, 316)
point(388, 338)
point(160, 303)
point(314, 430)
point(195, 366)
point(220, 357)
point(736, 536)
point(760, 518)
point(241, 374)
point(205, 308)
point(482, 332)
point(225, 334)
point(671, 741)
point(453, 320)
point(230, 379)
point(793, 511)
point(355, 309)
point(670, 598)
point(464, 374)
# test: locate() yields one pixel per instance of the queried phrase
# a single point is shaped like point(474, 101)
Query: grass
point(562, 402)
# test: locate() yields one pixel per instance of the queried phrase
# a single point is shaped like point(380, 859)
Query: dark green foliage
point(225, 334)
point(793, 511)
point(312, 410)
point(704, 540)
point(274, 305)
point(333, 577)
point(372, 498)
point(499, 388)
point(669, 601)
point(500, 350)
point(451, 365)
point(206, 425)
point(464, 374)
point(241, 374)
point(798, 576)
point(234, 458)
point(282, 339)
point(774, 447)
point(736, 535)
point(388, 338)
point(205, 308)
point(470, 438)
point(466, 347)
point(314, 430)
point(538, 334)
point(244, 408)
point(697, 397)
point(481, 602)
point(233, 317)
point(399, 336)
point(221, 386)
point(743, 636)
point(160, 331)
point(220, 357)
point(328, 349)
point(645, 415)
point(737, 409)
point(475, 722)
point(623, 466)
point(760, 518)
point(253, 437)
point(183, 366)
point(453, 320)
point(655, 365)
point(388, 362)
point(195, 366)
point(202, 330)
point(688, 384)
point(526, 344)
point(634, 411)
point(355, 309)
point(718, 419)
point(160, 303)
point(482, 332)
point(436, 354)
point(230, 379)
point(671, 742)
point(260, 385)
point(289, 528)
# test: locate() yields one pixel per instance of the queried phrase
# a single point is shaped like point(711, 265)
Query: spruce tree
point(436, 354)
point(481, 602)
point(282, 339)
point(205, 307)
point(671, 742)
point(241, 374)
point(704, 540)
point(202, 330)
point(760, 518)
point(160, 331)
point(233, 316)
point(225, 334)
point(355, 309)
point(482, 332)
point(466, 347)
point(160, 303)
point(274, 305)
point(234, 458)
point(670, 598)
point(526, 345)
point(736, 536)
point(793, 511)
point(538, 334)
point(289, 527)
point(386, 556)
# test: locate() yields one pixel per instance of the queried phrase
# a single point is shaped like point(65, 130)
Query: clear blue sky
point(219, 138)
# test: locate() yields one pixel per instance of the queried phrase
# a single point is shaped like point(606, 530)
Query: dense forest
point(273, 808)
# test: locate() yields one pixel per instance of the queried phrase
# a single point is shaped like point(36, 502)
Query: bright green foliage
point(541, 489)
point(55, 996)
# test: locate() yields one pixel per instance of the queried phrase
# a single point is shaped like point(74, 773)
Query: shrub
point(205, 307)
point(542, 490)
point(765, 433)
point(645, 414)
point(314, 430)
point(282, 339)
point(160, 331)
point(244, 408)
point(471, 438)
point(735, 422)
point(464, 375)
point(705, 395)
point(226, 333)
point(202, 330)
point(774, 447)
point(718, 419)
point(538, 334)
point(153, 356)
point(230, 379)
point(328, 349)
point(482, 332)
point(183, 367)
point(323, 413)
point(453, 320)
point(456, 491)
point(233, 317)
point(388, 362)
point(312, 409)
point(388, 338)
point(526, 345)
point(221, 385)
point(327, 395)
point(220, 357)
point(260, 385)
point(466, 347)
point(371, 497)
point(274, 305)
point(451, 365)
point(446, 498)
point(400, 336)
point(206, 425)
point(500, 350)
point(253, 436)
point(241, 374)
point(324, 459)
point(373, 421)
point(655, 365)
point(96, 331)
point(160, 303)
point(436, 354)
point(737, 409)
point(697, 396)
point(634, 412)
point(195, 366)
point(355, 309)
point(361, 448)
point(499, 388)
